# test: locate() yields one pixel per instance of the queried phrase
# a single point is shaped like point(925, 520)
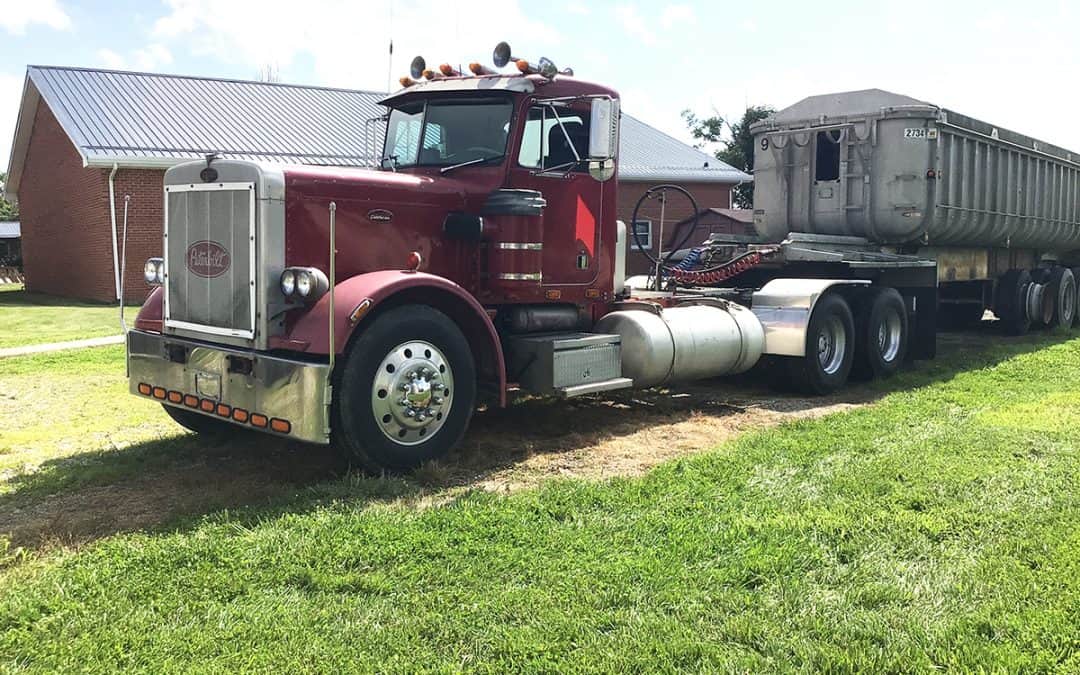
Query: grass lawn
point(935, 529)
point(33, 318)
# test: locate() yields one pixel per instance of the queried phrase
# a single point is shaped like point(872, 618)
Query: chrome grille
point(210, 258)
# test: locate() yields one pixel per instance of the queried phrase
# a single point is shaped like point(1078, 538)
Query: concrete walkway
point(57, 346)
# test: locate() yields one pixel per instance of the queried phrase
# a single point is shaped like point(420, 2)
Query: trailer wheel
point(1076, 307)
point(1010, 301)
point(830, 348)
point(204, 425)
point(881, 335)
point(1062, 290)
point(407, 390)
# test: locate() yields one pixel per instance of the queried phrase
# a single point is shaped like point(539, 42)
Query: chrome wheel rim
point(412, 392)
point(888, 337)
point(832, 342)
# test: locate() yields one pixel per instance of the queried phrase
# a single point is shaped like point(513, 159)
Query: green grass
point(34, 318)
point(936, 529)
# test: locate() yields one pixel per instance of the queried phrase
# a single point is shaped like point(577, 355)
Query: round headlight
point(304, 284)
point(150, 272)
point(288, 282)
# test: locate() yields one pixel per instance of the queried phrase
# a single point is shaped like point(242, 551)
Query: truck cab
point(490, 211)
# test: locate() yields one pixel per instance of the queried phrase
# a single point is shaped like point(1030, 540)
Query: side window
point(433, 149)
point(643, 231)
point(403, 134)
point(546, 143)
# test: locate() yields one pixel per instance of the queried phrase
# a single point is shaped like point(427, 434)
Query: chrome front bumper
point(232, 384)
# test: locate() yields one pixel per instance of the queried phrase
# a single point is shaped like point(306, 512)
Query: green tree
point(8, 211)
point(736, 148)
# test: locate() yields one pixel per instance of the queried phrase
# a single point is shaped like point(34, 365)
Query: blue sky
point(1013, 64)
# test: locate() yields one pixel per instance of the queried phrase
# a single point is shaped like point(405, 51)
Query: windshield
point(447, 132)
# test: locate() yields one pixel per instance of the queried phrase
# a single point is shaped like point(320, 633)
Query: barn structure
point(91, 148)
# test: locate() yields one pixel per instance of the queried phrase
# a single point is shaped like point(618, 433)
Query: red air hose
point(723, 272)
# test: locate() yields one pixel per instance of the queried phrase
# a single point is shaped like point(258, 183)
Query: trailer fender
point(360, 299)
point(784, 307)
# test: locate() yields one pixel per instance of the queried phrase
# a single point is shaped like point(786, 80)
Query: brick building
point(91, 142)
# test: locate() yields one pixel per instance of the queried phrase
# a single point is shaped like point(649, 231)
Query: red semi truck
point(378, 308)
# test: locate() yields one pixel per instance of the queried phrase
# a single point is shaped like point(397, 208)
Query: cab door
point(572, 219)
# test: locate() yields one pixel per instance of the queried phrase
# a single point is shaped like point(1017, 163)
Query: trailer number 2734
point(921, 133)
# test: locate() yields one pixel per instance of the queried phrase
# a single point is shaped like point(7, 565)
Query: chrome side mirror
point(604, 129)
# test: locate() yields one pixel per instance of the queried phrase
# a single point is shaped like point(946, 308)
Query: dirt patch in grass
point(151, 483)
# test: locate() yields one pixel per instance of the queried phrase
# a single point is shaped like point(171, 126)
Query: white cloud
point(676, 14)
point(346, 42)
point(577, 8)
point(111, 59)
point(634, 24)
point(17, 15)
point(149, 58)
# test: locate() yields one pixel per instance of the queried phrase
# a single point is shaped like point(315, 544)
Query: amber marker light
point(223, 410)
point(479, 69)
point(406, 81)
point(206, 405)
point(240, 415)
point(360, 311)
point(553, 295)
point(280, 426)
point(159, 393)
point(144, 389)
point(592, 293)
point(448, 70)
point(258, 420)
point(175, 397)
point(191, 401)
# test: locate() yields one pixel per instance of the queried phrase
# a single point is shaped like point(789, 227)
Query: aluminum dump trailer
point(897, 170)
point(912, 177)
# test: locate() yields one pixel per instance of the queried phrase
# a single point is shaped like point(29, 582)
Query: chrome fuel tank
point(683, 343)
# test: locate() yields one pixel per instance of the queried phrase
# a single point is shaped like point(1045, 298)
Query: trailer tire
point(407, 390)
point(1062, 290)
point(881, 335)
point(830, 348)
point(204, 425)
point(1010, 301)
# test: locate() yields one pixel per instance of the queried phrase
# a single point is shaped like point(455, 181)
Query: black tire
point(367, 438)
point(1061, 289)
point(1010, 301)
point(1076, 311)
point(880, 354)
point(808, 373)
point(204, 425)
point(960, 315)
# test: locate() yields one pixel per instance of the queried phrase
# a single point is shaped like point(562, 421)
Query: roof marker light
point(417, 67)
point(480, 69)
point(406, 81)
point(448, 70)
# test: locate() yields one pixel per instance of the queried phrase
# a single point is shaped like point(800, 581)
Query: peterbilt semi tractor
point(378, 308)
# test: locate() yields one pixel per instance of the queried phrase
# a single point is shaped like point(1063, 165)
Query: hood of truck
point(381, 216)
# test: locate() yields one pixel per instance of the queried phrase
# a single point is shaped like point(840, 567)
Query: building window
point(643, 230)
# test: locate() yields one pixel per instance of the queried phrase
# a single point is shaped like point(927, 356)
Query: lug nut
point(410, 412)
point(437, 400)
point(403, 402)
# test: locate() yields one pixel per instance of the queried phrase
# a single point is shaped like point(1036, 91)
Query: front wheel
point(407, 390)
point(830, 347)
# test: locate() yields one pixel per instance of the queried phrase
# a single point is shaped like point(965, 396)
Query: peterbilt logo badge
point(208, 259)
point(380, 216)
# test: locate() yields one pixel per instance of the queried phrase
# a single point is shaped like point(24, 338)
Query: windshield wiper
point(471, 162)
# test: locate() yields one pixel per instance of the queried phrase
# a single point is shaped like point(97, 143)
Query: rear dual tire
point(881, 335)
